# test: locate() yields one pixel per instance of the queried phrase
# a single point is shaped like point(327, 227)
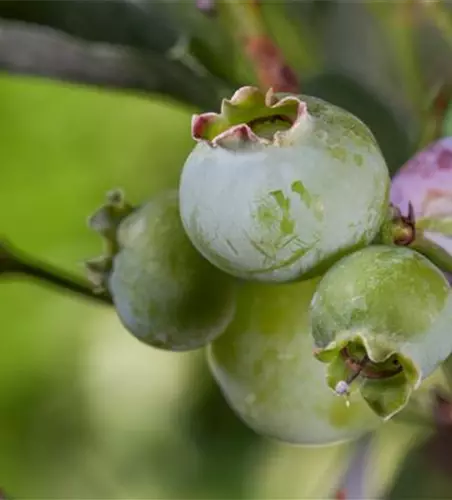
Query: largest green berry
point(279, 186)
point(265, 366)
point(165, 293)
point(381, 321)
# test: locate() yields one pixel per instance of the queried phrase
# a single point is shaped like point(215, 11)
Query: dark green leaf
point(151, 43)
point(120, 22)
point(33, 50)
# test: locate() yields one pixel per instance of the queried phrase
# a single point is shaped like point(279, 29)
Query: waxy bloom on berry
point(279, 186)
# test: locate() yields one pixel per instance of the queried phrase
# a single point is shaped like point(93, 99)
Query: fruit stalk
point(15, 263)
point(433, 252)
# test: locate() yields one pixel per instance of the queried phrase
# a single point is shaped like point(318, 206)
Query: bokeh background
point(86, 411)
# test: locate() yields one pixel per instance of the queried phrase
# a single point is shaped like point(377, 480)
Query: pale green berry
point(165, 293)
point(280, 186)
point(265, 367)
point(381, 321)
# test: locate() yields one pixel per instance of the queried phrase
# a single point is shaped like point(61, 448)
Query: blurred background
point(98, 95)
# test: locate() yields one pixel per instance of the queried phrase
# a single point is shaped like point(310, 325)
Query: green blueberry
point(279, 186)
point(381, 321)
point(165, 293)
point(265, 367)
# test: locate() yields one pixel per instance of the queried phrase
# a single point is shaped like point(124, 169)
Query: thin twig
point(13, 262)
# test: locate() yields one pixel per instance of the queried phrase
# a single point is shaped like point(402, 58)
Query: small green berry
point(165, 293)
point(381, 321)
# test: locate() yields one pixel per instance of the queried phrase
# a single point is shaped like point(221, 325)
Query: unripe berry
point(265, 367)
point(279, 186)
point(381, 322)
point(165, 293)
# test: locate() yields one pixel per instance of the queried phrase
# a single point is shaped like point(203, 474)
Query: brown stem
point(14, 263)
point(365, 367)
point(358, 367)
point(265, 56)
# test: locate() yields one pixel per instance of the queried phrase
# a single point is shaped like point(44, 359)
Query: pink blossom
point(426, 181)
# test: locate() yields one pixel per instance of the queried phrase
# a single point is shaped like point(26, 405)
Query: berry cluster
point(283, 256)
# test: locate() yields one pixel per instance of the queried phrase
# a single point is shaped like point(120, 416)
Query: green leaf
point(140, 35)
point(135, 24)
point(349, 94)
point(159, 27)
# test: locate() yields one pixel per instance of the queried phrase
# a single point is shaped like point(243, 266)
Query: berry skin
point(265, 367)
point(280, 186)
point(165, 293)
point(381, 322)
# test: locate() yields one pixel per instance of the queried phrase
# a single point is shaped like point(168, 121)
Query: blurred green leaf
point(349, 94)
point(295, 36)
point(136, 24)
point(447, 370)
point(140, 31)
point(155, 26)
point(63, 147)
point(227, 447)
point(398, 24)
point(426, 472)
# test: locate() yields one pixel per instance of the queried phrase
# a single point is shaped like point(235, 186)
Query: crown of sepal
point(250, 118)
point(383, 375)
point(105, 221)
point(398, 228)
point(97, 271)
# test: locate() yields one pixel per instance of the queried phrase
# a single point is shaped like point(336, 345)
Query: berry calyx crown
point(250, 117)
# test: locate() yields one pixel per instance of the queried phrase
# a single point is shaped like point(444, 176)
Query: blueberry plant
point(312, 271)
